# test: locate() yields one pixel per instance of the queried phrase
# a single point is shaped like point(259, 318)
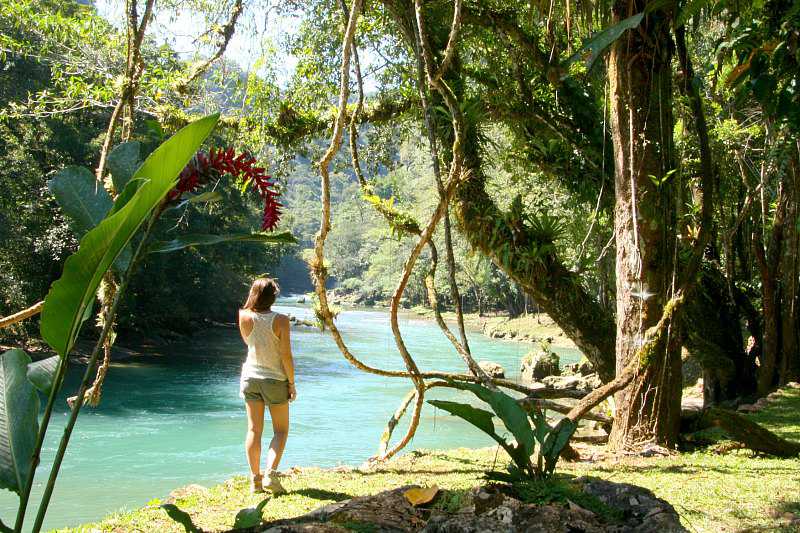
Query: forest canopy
point(621, 166)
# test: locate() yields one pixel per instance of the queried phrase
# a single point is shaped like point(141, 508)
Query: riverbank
point(712, 492)
point(528, 328)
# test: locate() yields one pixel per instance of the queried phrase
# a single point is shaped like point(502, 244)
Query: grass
point(736, 491)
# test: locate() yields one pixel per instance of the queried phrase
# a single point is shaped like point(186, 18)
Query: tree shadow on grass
point(737, 469)
point(419, 471)
point(323, 494)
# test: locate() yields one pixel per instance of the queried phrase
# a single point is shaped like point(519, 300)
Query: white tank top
point(263, 349)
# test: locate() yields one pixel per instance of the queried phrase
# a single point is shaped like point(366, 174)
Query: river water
point(174, 417)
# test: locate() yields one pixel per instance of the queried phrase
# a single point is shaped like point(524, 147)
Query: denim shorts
point(269, 391)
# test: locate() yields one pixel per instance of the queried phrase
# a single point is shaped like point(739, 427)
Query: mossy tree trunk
point(639, 71)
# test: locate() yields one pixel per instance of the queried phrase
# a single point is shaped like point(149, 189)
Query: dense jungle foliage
point(53, 118)
point(631, 168)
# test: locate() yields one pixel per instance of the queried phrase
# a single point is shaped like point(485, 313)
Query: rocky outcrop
point(494, 370)
point(295, 321)
point(493, 512)
point(581, 368)
point(538, 365)
point(576, 382)
point(625, 509)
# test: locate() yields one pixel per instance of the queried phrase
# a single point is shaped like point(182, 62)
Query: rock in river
point(493, 369)
point(538, 365)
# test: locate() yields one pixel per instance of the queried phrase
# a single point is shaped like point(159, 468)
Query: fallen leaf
point(421, 495)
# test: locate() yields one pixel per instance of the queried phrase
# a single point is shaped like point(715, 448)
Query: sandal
point(275, 485)
point(256, 483)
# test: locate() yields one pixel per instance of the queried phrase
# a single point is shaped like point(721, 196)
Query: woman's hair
point(262, 295)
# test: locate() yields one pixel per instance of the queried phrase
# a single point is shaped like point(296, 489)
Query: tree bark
point(639, 71)
point(790, 271)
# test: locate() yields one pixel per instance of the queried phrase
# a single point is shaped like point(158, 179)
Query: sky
point(181, 30)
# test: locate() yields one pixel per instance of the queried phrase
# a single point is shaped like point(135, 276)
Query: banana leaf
point(41, 373)
point(508, 410)
point(69, 296)
point(19, 411)
point(555, 442)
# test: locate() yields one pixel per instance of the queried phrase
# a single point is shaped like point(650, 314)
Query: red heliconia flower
point(219, 162)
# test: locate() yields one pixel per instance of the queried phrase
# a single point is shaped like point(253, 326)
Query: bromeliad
point(218, 162)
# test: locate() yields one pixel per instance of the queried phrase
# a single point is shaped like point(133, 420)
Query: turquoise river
point(173, 416)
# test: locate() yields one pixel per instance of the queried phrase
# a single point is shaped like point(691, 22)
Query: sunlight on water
point(174, 417)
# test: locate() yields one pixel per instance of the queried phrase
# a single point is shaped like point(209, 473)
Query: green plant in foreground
point(107, 228)
point(248, 517)
point(536, 450)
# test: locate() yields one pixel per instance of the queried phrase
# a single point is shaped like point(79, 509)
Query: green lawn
point(713, 493)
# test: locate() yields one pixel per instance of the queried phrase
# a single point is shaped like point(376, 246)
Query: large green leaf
point(508, 410)
point(594, 47)
point(122, 163)
point(82, 198)
point(190, 240)
point(251, 516)
point(19, 409)
point(124, 196)
point(69, 295)
point(556, 440)
point(41, 373)
point(479, 418)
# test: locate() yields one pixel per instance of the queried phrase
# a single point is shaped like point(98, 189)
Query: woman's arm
point(245, 324)
point(283, 333)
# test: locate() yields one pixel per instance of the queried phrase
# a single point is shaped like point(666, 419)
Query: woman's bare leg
point(280, 431)
point(255, 427)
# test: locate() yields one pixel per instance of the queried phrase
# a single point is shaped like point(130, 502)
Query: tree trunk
point(790, 270)
point(639, 72)
point(768, 258)
point(712, 322)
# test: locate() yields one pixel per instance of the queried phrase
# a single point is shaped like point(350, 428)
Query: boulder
point(575, 382)
point(643, 512)
point(581, 368)
point(493, 369)
point(537, 366)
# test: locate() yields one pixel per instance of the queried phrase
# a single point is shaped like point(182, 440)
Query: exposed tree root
point(745, 431)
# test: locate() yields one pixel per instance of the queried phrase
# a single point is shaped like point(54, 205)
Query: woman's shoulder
point(280, 317)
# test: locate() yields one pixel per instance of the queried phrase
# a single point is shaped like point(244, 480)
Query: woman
point(267, 379)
